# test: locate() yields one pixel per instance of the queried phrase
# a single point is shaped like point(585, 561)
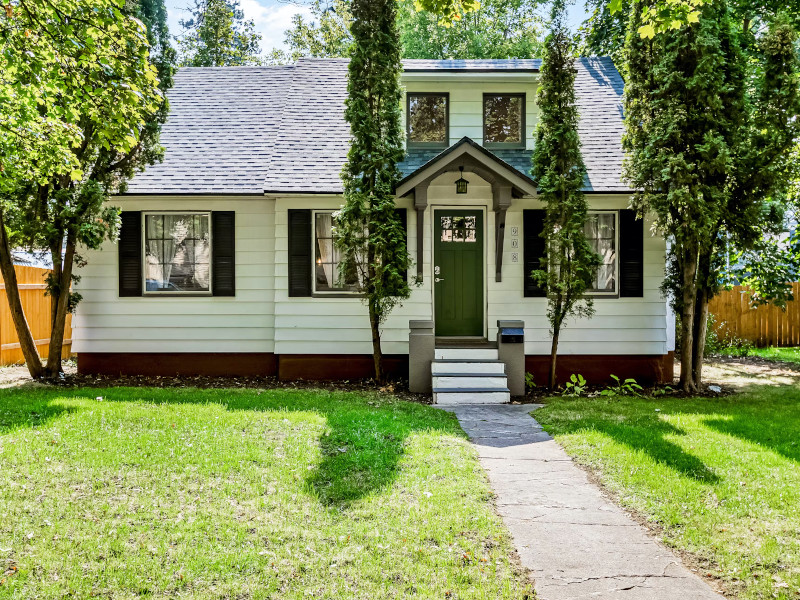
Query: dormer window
point(428, 120)
point(504, 120)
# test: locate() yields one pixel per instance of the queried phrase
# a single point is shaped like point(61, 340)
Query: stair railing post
point(421, 352)
point(511, 350)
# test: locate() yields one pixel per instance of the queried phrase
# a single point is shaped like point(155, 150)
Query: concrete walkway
point(576, 542)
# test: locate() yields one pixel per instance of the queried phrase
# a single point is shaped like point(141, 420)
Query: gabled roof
point(221, 127)
point(250, 130)
point(467, 148)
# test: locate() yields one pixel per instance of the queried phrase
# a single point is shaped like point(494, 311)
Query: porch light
point(461, 183)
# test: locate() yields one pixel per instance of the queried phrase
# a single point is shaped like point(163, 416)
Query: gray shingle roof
point(281, 129)
point(489, 64)
point(220, 130)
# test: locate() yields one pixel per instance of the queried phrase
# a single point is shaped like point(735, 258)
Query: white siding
point(244, 323)
point(466, 104)
point(262, 318)
point(319, 325)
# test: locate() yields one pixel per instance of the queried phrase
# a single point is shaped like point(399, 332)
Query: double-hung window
point(602, 232)
point(177, 252)
point(428, 120)
point(504, 120)
point(327, 258)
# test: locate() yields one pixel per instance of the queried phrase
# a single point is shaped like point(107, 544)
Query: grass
point(164, 493)
point(790, 355)
point(719, 477)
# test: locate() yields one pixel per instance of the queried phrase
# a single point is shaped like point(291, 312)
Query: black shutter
point(299, 252)
point(533, 251)
point(402, 214)
point(130, 253)
point(631, 255)
point(223, 252)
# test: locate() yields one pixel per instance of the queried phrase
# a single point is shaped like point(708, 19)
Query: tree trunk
point(26, 341)
point(553, 357)
point(689, 275)
point(700, 328)
point(377, 353)
point(61, 308)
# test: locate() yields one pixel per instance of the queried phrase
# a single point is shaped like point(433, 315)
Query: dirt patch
point(739, 373)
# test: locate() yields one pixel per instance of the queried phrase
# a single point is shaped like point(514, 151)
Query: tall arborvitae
point(696, 156)
point(558, 170)
point(368, 230)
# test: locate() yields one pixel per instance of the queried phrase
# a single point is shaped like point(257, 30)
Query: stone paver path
point(576, 542)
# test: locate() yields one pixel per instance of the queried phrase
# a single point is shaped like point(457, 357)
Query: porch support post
point(502, 200)
point(420, 204)
point(421, 352)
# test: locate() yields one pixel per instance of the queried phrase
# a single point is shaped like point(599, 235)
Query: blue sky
point(273, 17)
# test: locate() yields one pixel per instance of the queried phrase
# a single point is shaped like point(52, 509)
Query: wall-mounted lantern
point(461, 183)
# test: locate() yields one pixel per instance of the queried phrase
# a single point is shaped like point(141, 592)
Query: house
point(225, 263)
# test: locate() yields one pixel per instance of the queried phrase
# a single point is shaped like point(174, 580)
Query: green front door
point(458, 272)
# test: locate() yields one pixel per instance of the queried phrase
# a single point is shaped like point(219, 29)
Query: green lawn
point(720, 477)
point(791, 355)
point(242, 494)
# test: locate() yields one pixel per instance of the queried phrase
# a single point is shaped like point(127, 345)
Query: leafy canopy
point(217, 35)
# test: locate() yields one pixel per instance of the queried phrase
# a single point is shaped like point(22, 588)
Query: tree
point(708, 150)
point(78, 102)
point(368, 230)
point(496, 29)
point(217, 35)
point(606, 29)
point(558, 170)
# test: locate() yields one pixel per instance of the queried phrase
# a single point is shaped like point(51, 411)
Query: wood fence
point(37, 311)
point(763, 326)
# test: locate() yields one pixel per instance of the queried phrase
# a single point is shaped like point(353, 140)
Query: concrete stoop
point(469, 376)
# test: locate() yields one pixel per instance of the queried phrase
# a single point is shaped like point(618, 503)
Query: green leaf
point(647, 32)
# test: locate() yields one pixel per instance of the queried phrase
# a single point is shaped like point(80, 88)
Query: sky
point(273, 17)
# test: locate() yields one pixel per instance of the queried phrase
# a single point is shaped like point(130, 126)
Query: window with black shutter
point(533, 251)
point(299, 252)
point(177, 253)
point(631, 255)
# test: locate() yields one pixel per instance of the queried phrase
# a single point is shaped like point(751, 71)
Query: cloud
point(271, 21)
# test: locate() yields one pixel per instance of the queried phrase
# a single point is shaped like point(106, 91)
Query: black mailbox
point(512, 335)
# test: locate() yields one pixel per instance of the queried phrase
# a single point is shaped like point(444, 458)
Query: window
point(177, 251)
point(428, 120)
point(601, 231)
point(504, 120)
point(327, 258)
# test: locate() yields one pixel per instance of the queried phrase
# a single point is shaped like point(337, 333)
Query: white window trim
point(615, 292)
point(156, 293)
point(314, 290)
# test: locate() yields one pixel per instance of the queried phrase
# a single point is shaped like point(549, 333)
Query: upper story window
point(177, 252)
point(601, 232)
point(504, 120)
point(428, 120)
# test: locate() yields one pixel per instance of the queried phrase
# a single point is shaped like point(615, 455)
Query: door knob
point(438, 279)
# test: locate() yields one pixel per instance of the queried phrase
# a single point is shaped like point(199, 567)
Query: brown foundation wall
point(151, 364)
point(645, 369)
point(331, 367)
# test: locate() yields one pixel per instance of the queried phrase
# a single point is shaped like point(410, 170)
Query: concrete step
point(449, 396)
point(467, 366)
point(475, 380)
point(466, 353)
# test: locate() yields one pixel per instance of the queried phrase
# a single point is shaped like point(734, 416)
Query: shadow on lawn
point(360, 451)
point(648, 434)
point(779, 435)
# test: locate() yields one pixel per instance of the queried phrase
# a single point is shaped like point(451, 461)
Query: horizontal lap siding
point(242, 323)
point(320, 325)
point(619, 325)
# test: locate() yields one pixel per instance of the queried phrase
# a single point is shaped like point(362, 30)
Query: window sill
point(337, 295)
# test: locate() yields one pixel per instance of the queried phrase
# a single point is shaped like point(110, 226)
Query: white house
point(225, 263)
